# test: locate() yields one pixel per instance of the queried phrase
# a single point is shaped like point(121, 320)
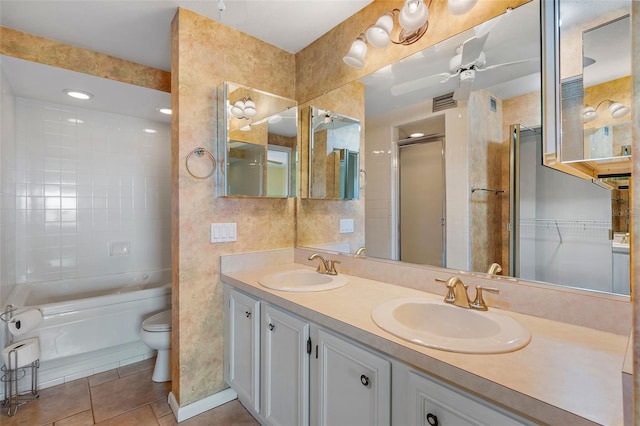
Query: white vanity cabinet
point(242, 346)
point(288, 371)
point(285, 368)
point(420, 400)
point(350, 385)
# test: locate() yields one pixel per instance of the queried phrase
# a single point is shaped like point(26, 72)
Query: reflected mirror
point(258, 138)
point(334, 155)
point(480, 128)
point(595, 73)
point(601, 97)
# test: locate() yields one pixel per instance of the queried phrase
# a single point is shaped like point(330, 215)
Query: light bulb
point(250, 112)
point(378, 34)
point(238, 109)
point(617, 110)
point(248, 103)
point(413, 15)
point(588, 114)
point(358, 51)
point(460, 7)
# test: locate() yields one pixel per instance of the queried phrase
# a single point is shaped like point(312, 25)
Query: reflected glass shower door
point(560, 223)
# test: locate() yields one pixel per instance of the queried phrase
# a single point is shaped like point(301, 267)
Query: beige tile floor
point(124, 396)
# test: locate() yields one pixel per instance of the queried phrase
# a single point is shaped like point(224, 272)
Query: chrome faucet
point(327, 267)
point(457, 294)
point(361, 252)
point(494, 269)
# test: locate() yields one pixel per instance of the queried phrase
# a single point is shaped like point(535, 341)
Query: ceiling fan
point(469, 60)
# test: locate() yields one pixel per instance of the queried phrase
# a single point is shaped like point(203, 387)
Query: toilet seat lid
point(158, 322)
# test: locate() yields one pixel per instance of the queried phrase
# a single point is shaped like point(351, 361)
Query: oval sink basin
point(302, 280)
point(438, 325)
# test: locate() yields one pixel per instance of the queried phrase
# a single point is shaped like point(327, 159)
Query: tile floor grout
point(122, 396)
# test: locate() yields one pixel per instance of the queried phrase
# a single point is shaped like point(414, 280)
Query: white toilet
point(156, 333)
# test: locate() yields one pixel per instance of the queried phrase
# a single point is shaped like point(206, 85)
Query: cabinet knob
point(432, 419)
point(247, 314)
point(364, 380)
point(271, 327)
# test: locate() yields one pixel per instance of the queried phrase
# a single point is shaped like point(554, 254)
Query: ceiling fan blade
point(471, 49)
point(465, 81)
point(420, 83)
point(462, 93)
point(506, 64)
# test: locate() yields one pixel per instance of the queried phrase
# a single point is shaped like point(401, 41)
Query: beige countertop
point(567, 374)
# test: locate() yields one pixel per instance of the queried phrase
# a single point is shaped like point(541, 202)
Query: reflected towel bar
point(495, 191)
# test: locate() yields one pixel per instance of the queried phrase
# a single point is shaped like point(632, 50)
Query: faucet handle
point(450, 296)
point(479, 302)
point(331, 268)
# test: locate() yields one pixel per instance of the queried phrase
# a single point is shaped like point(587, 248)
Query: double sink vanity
point(304, 347)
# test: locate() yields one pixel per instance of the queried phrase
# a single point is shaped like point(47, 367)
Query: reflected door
point(422, 189)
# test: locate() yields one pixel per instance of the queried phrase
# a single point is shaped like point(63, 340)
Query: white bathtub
point(87, 315)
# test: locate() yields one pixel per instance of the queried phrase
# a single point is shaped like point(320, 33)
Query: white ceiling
point(140, 30)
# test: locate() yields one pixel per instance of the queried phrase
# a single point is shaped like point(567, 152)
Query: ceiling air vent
point(572, 88)
point(444, 102)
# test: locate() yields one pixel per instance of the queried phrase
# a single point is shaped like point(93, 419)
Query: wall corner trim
point(200, 406)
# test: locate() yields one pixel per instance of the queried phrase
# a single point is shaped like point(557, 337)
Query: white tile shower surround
point(7, 191)
point(81, 186)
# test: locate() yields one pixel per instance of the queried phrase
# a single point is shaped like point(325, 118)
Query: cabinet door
point(433, 403)
point(285, 368)
point(350, 385)
point(242, 347)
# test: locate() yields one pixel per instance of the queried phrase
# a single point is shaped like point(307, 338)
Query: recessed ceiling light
point(78, 94)
point(416, 135)
point(275, 119)
point(150, 130)
point(164, 110)
point(75, 120)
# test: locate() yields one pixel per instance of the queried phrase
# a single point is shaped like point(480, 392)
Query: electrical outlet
point(223, 232)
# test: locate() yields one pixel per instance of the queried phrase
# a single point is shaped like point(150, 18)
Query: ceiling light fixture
point(78, 94)
point(150, 130)
point(416, 135)
point(276, 118)
point(164, 110)
point(244, 108)
point(413, 21)
point(616, 110)
point(460, 7)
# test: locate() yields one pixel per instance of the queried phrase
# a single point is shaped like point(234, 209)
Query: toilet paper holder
point(15, 369)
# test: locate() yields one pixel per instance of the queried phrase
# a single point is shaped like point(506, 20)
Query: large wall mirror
point(489, 197)
point(257, 134)
point(334, 154)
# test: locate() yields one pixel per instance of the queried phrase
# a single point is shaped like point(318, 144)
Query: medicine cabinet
point(589, 59)
point(257, 143)
point(334, 155)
